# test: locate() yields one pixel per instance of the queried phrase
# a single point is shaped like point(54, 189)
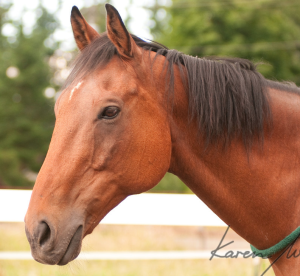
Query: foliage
point(27, 117)
point(262, 31)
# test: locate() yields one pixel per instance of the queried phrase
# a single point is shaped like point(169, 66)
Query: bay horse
point(133, 110)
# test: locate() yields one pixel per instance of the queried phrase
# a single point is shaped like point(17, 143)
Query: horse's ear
point(84, 34)
point(118, 33)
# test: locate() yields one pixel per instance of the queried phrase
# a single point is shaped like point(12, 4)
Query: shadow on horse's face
point(111, 140)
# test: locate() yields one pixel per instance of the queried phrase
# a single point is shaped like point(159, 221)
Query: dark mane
point(227, 96)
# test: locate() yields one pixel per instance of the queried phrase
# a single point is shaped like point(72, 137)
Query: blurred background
point(36, 54)
point(37, 49)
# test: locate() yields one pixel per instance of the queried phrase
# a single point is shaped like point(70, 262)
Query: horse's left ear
point(84, 34)
point(118, 33)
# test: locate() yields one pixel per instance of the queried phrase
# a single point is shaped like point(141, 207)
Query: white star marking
point(75, 88)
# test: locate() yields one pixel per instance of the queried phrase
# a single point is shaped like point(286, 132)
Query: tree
point(27, 117)
point(262, 31)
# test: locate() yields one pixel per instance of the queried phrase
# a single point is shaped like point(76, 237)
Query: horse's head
point(111, 140)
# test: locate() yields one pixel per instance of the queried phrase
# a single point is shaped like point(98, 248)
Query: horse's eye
point(109, 112)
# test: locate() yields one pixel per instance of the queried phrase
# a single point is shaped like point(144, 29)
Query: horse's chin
point(73, 248)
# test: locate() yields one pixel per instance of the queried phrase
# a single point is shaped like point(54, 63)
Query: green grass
point(131, 238)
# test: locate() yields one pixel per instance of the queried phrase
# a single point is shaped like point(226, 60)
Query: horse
point(132, 110)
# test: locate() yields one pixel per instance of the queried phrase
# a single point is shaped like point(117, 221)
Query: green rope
point(277, 247)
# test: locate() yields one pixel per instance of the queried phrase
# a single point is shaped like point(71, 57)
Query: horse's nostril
point(44, 233)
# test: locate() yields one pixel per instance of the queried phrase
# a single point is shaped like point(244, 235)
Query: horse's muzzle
point(48, 247)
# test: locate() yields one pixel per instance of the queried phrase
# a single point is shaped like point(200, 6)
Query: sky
point(25, 9)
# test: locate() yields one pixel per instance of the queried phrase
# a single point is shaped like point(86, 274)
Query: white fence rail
point(143, 209)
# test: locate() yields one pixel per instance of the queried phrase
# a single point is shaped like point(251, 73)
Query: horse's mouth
point(73, 248)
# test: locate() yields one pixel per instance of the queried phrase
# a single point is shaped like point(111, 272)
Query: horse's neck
point(256, 195)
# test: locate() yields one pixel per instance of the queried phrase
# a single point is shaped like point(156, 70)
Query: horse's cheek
point(157, 163)
point(151, 158)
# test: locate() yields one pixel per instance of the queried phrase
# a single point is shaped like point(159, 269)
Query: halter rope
point(277, 247)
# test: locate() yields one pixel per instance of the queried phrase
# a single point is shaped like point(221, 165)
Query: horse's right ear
point(84, 34)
